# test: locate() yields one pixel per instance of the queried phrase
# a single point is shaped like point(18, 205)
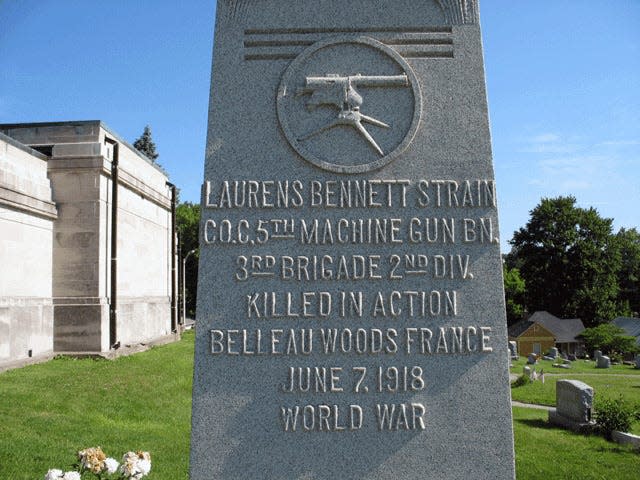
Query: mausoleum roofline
point(97, 123)
point(24, 148)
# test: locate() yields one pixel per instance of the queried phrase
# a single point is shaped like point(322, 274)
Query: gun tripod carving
point(339, 92)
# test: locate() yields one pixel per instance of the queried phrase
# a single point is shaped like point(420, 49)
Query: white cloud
point(575, 184)
point(545, 138)
point(550, 143)
point(619, 143)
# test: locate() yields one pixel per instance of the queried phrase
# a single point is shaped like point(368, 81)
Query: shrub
point(521, 381)
point(615, 415)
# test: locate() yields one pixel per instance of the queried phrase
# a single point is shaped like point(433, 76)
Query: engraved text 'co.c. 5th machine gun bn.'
point(340, 92)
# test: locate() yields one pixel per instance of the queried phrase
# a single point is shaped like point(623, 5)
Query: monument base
point(580, 427)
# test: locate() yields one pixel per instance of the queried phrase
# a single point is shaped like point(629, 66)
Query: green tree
point(608, 338)
point(629, 275)
point(145, 145)
point(514, 294)
point(188, 222)
point(569, 261)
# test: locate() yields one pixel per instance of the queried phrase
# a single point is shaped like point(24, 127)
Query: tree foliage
point(608, 338)
point(629, 274)
point(514, 293)
point(145, 145)
point(188, 222)
point(569, 261)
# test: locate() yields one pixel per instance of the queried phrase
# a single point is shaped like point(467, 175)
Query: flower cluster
point(56, 474)
point(92, 459)
point(94, 462)
point(135, 465)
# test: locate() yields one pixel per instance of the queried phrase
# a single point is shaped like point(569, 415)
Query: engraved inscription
point(409, 311)
point(349, 194)
point(372, 341)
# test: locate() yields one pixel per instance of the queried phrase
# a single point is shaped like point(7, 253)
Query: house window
point(536, 348)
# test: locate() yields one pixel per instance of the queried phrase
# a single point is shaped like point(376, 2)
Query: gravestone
point(637, 361)
point(552, 354)
point(351, 316)
point(603, 361)
point(574, 405)
point(513, 350)
point(532, 359)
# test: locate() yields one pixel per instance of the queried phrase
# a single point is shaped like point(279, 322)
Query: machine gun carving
point(340, 92)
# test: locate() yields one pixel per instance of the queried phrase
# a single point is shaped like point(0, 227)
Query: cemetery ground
point(618, 381)
point(143, 402)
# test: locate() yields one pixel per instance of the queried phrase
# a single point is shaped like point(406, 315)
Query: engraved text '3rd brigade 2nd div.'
point(349, 104)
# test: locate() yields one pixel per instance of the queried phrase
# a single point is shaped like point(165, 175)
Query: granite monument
point(574, 405)
point(350, 319)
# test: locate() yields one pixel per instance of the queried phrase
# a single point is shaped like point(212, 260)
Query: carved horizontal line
point(405, 53)
point(408, 47)
point(277, 43)
point(418, 41)
point(426, 54)
point(270, 56)
point(276, 31)
point(298, 42)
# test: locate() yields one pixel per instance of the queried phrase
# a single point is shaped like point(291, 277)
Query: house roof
point(519, 328)
point(565, 330)
point(534, 328)
point(630, 325)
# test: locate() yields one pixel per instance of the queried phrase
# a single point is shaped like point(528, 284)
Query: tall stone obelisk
point(350, 320)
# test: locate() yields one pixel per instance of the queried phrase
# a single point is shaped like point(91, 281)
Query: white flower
point(92, 459)
point(128, 465)
point(135, 465)
point(53, 474)
point(111, 465)
point(143, 466)
point(71, 476)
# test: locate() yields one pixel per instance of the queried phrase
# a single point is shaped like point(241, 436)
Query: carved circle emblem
point(349, 104)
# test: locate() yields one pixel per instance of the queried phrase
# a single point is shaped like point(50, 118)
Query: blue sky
point(563, 81)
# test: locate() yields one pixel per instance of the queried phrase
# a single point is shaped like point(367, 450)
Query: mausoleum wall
point(26, 218)
point(80, 169)
point(144, 246)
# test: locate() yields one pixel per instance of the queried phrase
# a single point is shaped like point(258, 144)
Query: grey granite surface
point(350, 312)
point(574, 400)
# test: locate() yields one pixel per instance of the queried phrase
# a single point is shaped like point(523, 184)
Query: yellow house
point(531, 337)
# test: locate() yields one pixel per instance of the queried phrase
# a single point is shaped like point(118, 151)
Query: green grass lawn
point(619, 380)
point(605, 386)
point(579, 366)
point(546, 452)
point(143, 402)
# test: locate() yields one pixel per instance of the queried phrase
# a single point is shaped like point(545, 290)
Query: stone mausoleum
point(65, 284)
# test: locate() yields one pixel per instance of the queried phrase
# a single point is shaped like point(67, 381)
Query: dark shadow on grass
point(535, 423)
point(613, 449)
